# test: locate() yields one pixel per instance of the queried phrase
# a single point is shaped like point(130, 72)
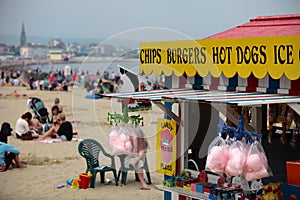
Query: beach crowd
point(60, 80)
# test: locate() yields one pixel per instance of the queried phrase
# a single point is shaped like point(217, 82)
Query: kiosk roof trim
point(205, 96)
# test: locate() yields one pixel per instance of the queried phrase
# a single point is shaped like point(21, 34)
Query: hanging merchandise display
point(238, 154)
point(236, 161)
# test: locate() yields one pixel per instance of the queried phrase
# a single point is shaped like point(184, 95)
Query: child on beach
point(57, 103)
point(55, 115)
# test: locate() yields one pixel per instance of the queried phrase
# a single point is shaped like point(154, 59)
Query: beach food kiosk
point(251, 66)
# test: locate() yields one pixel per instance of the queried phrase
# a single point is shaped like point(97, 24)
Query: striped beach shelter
point(252, 65)
point(261, 57)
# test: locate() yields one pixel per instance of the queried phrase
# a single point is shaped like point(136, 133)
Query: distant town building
point(55, 54)
point(71, 50)
point(35, 51)
point(23, 36)
point(83, 49)
point(56, 43)
point(4, 49)
point(105, 50)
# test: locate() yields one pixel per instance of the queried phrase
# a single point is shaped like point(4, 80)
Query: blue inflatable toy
point(93, 96)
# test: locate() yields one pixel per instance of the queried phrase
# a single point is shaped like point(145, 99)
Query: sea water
point(90, 67)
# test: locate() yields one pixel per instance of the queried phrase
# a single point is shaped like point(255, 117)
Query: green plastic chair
point(123, 171)
point(90, 150)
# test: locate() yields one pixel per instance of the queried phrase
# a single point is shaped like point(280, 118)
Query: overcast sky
point(106, 18)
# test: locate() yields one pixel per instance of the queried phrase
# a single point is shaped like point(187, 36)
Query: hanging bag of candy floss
point(119, 141)
point(237, 154)
point(256, 165)
point(217, 156)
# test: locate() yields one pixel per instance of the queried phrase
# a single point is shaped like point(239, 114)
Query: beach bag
point(27, 136)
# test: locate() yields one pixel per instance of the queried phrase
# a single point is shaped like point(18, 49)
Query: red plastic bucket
point(84, 180)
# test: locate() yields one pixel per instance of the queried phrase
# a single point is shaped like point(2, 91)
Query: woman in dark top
point(63, 129)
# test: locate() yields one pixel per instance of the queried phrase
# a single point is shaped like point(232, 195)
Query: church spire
point(23, 36)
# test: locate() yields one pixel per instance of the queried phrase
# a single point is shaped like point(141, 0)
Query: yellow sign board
point(166, 147)
point(276, 55)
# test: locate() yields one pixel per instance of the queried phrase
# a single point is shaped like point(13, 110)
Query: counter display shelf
point(181, 191)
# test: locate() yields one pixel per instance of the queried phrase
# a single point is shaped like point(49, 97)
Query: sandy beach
point(51, 165)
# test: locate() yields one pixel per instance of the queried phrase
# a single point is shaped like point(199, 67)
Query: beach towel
point(53, 140)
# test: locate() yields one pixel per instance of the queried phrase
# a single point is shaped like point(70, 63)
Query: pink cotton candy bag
point(237, 155)
point(256, 165)
point(217, 156)
point(119, 141)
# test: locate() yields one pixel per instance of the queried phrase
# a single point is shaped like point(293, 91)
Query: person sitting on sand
point(57, 103)
point(55, 114)
point(22, 126)
point(62, 130)
point(9, 155)
point(35, 125)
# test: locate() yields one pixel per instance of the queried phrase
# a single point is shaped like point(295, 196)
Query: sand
point(51, 165)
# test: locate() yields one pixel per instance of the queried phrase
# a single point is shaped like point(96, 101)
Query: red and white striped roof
point(277, 25)
point(205, 96)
